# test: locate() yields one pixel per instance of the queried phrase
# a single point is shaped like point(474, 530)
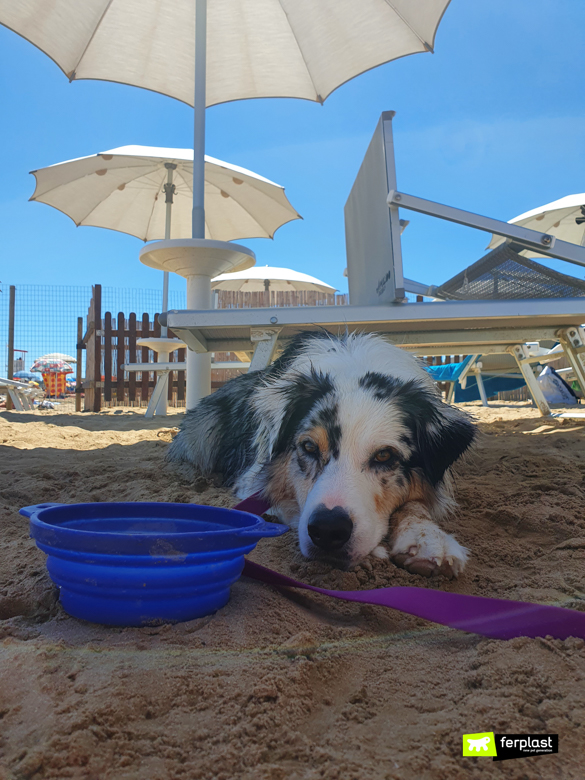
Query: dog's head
point(356, 429)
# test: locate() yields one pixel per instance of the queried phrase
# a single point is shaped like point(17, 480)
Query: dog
point(349, 440)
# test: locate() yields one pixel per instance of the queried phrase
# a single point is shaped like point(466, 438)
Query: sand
point(290, 684)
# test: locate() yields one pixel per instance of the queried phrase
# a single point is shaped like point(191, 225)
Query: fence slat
point(132, 358)
point(182, 355)
point(156, 334)
point(97, 312)
point(145, 333)
point(171, 379)
point(108, 356)
point(120, 360)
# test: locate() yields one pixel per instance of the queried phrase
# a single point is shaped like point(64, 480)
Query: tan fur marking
point(319, 436)
point(421, 491)
point(280, 486)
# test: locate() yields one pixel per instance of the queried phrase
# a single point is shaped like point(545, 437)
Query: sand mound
point(290, 685)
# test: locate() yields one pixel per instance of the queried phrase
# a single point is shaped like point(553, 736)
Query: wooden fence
point(110, 342)
point(259, 300)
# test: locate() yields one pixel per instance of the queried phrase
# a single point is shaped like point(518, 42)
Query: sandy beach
point(290, 684)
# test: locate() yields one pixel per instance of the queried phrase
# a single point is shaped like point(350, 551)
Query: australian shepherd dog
point(348, 440)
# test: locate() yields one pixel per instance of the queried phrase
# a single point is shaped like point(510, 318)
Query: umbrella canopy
point(51, 367)
point(255, 48)
point(57, 356)
point(563, 218)
point(262, 278)
point(124, 189)
point(28, 376)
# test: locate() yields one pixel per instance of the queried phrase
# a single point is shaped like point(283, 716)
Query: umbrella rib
point(319, 98)
point(245, 210)
point(71, 75)
point(257, 219)
point(152, 213)
point(391, 5)
point(97, 205)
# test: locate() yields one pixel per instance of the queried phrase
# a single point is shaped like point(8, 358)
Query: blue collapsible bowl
point(135, 564)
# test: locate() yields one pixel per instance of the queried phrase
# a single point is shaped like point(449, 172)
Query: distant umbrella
point(563, 218)
point(58, 356)
point(51, 367)
point(28, 376)
point(264, 278)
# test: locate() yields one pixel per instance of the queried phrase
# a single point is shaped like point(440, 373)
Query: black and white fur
point(348, 439)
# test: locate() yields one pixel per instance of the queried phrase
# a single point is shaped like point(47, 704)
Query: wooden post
point(97, 311)
point(78, 377)
point(11, 311)
point(171, 381)
point(156, 334)
point(182, 356)
point(145, 333)
point(120, 360)
point(108, 357)
point(132, 358)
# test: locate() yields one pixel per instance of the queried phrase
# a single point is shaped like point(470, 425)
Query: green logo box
point(483, 744)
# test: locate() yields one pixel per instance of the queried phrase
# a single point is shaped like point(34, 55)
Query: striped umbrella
point(51, 367)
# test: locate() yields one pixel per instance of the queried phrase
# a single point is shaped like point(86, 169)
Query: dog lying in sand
point(348, 439)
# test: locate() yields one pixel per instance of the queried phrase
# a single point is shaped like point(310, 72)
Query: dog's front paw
point(422, 548)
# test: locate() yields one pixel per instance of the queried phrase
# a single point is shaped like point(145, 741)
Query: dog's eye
point(310, 447)
point(383, 456)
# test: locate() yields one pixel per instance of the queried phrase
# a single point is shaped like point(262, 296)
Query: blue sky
point(493, 122)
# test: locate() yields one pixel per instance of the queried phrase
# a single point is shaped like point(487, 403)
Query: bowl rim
point(256, 528)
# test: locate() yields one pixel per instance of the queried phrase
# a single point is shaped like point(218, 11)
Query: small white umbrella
point(563, 218)
point(264, 278)
point(130, 188)
point(148, 192)
point(57, 356)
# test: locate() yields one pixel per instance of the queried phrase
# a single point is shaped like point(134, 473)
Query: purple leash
point(494, 618)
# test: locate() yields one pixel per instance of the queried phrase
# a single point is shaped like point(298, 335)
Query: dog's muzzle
point(330, 529)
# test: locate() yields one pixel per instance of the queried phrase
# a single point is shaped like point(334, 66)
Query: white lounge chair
point(21, 394)
point(377, 290)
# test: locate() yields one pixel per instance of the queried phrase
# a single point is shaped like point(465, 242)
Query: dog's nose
point(330, 529)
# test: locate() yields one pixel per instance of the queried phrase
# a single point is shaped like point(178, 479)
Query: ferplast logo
point(504, 746)
point(483, 744)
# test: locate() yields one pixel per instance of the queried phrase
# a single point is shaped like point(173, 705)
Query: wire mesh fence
point(46, 317)
point(45, 320)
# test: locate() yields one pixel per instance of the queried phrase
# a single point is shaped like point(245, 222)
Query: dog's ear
point(438, 433)
point(441, 437)
point(283, 404)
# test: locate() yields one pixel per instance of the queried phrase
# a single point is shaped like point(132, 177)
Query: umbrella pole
point(199, 287)
point(169, 189)
point(198, 220)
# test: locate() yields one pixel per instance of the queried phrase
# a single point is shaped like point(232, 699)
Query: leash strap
point(494, 618)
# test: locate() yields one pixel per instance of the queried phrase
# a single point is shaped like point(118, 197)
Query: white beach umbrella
point(563, 218)
point(261, 278)
point(147, 192)
point(126, 189)
point(255, 48)
point(57, 356)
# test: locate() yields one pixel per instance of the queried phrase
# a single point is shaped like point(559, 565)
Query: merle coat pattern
point(349, 440)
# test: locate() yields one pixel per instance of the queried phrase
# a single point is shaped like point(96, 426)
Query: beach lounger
point(21, 394)
point(377, 290)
